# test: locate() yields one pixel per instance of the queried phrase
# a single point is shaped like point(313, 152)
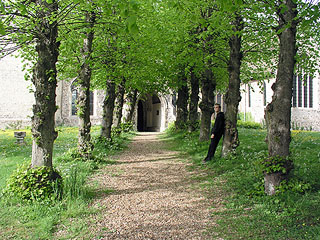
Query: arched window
point(74, 98)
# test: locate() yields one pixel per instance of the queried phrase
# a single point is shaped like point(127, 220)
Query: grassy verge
point(39, 220)
point(244, 211)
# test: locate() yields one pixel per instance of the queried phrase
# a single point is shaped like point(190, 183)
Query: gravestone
point(20, 137)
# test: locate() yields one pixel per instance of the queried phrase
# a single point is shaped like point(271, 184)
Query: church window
point(74, 93)
point(299, 91)
point(219, 98)
point(302, 92)
point(249, 96)
point(305, 93)
point(74, 97)
point(294, 91)
point(310, 92)
point(264, 94)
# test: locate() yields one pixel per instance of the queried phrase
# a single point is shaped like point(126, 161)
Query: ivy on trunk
point(232, 97)
point(45, 81)
point(108, 107)
point(131, 102)
point(278, 112)
point(85, 146)
point(208, 85)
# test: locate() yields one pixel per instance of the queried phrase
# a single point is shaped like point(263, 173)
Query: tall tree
point(45, 82)
point(85, 146)
point(232, 96)
point(33, 27)
point(182, 102)
point(119, 102)
point(193, 103)
point(208, 86)
point(131, 102)
point(108, 108)
point(278, 112)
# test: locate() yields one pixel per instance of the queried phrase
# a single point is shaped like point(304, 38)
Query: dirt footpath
point(153, 197)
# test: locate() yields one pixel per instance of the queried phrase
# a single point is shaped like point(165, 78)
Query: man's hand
point(212, 135)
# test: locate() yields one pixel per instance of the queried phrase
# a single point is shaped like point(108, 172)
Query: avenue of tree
point(133, 48)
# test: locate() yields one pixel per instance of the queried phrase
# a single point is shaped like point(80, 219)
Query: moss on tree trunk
point(131, 101)
point(278, 112)
point(233, 97)
point(108, 107)
point(208, 86)
point(119, 103)
point(85, 146)
point(45, 81)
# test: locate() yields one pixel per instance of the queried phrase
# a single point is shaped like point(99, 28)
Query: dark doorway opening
point(140, 126)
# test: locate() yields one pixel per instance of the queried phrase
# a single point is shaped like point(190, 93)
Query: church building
point(152, 113)
point(305, 111)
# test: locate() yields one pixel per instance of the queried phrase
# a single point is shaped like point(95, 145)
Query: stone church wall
point(16, 100)
point(253, 103)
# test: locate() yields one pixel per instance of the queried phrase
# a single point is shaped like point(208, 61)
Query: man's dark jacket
point(218, 127)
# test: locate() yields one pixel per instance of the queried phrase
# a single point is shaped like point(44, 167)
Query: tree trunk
point(233, 97)
point(85, 146)
point(108, 107)
point(131, 101)
point(278, 112)
point(208, 85)
point(182, 106)
point(193, 104)
point(45, 81)
point(119, 102)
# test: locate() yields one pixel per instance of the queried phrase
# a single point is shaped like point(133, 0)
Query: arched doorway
point(140, 120)
point(149, 114)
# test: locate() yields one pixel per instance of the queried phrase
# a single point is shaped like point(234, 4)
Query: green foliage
point(276, 164)
point(41, 183)
point(249, 125)
point(245, 117)
point(293, 185)
point(247, 121)
point(181, 125)
point(123, 128)
point(72, 154)
point(111, 144)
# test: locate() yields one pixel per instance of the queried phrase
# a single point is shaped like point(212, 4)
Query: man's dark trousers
point(213, 146)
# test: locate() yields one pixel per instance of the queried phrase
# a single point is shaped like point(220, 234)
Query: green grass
point(246, 213)
point(41, 220)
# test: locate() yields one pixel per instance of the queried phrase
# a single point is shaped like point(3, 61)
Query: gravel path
point(153, 197)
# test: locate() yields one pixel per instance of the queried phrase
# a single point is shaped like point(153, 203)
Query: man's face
point(216, 108)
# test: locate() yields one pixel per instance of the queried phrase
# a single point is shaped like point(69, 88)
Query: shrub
point(71, 155)
point(39, 183)
point(123, 128)
point(250, 125)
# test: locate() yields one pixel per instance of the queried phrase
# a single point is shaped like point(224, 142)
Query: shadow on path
point(153, 196)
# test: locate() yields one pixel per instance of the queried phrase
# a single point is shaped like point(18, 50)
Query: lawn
point(245, 211)
point(44, 220)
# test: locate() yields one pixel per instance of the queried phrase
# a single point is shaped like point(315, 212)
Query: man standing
point(216, 132)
